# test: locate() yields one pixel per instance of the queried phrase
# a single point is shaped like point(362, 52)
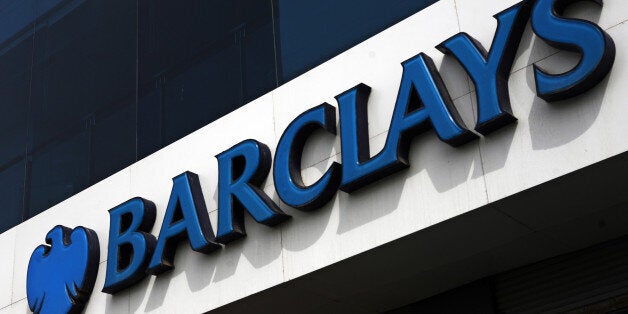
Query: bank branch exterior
point(468, 157)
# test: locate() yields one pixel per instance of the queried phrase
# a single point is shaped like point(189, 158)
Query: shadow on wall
point(260, 248)
point(556, 124)
point(155, 294)
point(306, 228)
point(447, 167)
point(457, 81)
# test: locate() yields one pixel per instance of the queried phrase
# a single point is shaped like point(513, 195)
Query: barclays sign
point(423, 102)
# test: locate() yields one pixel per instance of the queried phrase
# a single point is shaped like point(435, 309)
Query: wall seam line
point(466, 76)
point(620, 23)
point(283, 261)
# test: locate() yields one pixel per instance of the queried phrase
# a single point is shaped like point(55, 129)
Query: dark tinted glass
point(14, 90)
point(260, 73)
point(311, 32)
point(203, 93)
point(112, 141)
point(59, 172)
point(11, 193)
point(84, 63)
point(84, 76)
point(15, 17)
point(198, 62)
point(149, 120)
point(16, 52)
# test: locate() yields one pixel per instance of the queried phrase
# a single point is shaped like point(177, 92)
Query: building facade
point(424, 180)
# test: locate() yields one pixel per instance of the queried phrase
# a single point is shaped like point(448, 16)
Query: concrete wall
point(549, 140)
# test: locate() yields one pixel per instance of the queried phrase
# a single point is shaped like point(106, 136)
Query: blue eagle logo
point(61, 275)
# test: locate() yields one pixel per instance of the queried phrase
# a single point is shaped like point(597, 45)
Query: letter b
point(130, 243)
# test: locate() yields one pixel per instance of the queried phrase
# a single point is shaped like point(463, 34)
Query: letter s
point(595, 45)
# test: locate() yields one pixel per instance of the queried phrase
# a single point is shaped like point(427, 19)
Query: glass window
point(198, 62)
point(14, 89)
point(84, 74)
point(202, 94)
point(172, 34)
point(259, 61)
point(113, 142)
point(16, 52)
point(311, 32)
point(11, 193)
point(84, 63)
point(59, 171)
point(16, 18)
point(149, 137)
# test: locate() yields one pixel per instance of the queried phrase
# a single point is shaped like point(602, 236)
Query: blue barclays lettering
point(423, 102)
